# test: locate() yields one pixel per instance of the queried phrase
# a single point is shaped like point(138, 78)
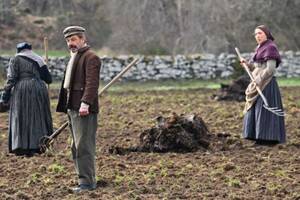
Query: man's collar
point(83, 49)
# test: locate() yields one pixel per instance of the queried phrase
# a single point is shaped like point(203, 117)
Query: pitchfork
point(46, 141)
point(275, 110)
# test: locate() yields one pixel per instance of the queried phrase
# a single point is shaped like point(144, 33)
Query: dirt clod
point(234, 91)
point(176, 133)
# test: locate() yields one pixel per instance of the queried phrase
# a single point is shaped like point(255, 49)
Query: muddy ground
point(243, 171)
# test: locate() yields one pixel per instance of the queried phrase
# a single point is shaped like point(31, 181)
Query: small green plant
point(119, 179)
point(152, 172)
point(56, 168)
point(151, 175)
point(232, 182)
point(272, 187)
point(34, 178)
point(130, 181)
point(217, 172)
point(164, 172)
point(280, 173)
point(179, 173)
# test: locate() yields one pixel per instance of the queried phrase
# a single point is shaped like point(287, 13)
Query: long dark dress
point(262, 125)
point(29, 116)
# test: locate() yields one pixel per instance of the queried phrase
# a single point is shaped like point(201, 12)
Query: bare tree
point(157, 27)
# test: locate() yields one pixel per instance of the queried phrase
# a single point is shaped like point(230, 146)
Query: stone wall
point(204, 66)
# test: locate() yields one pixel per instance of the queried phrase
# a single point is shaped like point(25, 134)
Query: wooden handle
point(46, 59)
point(251, 77)
point(118, 76)
point(243, 64)
point(59, 130)
point(46, 49)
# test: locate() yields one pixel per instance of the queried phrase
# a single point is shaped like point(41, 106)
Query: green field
point(186, 84)
point(175, 84)
point(51, 53)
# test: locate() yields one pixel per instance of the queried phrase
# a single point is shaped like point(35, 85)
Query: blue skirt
point(262, 125)
point(29, 117)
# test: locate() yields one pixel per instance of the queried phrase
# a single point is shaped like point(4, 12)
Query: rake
point(275, 110)
point(46, 141)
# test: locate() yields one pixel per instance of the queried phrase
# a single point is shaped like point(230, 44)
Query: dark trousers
point(84, 145)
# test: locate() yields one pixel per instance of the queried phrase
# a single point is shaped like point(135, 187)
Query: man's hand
point(84, 109)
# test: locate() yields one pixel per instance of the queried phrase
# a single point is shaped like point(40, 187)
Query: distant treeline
point(152, 26)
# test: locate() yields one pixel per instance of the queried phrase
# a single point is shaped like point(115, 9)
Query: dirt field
point(243, 171)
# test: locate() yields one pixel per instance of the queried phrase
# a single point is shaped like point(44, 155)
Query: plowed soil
point(233, 169)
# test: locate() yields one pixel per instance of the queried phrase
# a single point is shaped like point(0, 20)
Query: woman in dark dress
point(260, 124)
point(25, 89)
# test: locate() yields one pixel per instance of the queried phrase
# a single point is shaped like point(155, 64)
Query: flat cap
point(73, 30)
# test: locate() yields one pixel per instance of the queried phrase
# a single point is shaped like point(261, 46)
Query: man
point(79, 99)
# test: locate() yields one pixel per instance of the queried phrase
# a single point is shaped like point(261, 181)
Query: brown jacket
point(84, 83)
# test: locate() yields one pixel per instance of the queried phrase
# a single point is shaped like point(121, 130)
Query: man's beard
point(73, 48)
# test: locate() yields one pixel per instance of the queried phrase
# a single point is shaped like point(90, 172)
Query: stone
point(204, 66)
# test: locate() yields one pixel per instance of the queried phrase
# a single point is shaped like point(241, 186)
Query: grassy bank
point(288, 82)
point(51, 53)
point(186, 84)
point(174, 84)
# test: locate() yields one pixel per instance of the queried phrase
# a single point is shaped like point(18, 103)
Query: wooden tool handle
point(251, 76)
point(118, 76)
point(46, 49)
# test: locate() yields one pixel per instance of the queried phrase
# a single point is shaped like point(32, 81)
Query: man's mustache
point(72, 47)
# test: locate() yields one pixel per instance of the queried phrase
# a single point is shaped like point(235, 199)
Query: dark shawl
point(266, 51)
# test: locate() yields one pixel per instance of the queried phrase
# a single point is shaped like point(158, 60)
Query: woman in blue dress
point(25, 89)
point(260, 124)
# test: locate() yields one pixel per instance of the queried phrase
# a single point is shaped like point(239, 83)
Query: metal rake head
point(275, 110)
point(45, 143)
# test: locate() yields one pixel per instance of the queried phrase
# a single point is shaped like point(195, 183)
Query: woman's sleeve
point(250, 66)
point(267, 72)
point(45, 74)
point(12, 78)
